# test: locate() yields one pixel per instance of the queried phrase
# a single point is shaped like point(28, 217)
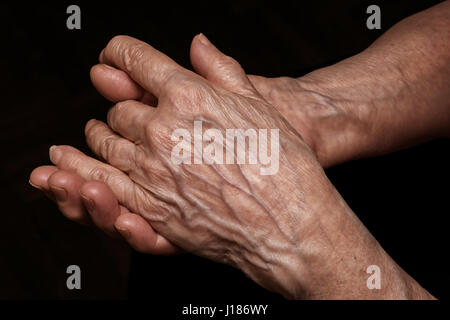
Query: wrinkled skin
point(283, 230)
point(93, 200)
point(202, 208)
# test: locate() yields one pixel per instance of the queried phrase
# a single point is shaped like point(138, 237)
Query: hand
point(116, 85)
point(283, 230)
point(298, 105)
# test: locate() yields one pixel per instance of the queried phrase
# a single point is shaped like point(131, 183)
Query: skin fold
point(290, 232)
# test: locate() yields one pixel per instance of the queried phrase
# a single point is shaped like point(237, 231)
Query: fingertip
point(114, 84)
point(137, 232)
point(141, 236)
point(64, 187)
point(93, 70)
point(202, 39)
point(101, 56)
point(40, 175)
point(94, 73)
point(123, 224)
point(89, 125)
point(165, 247)
point(100, 69)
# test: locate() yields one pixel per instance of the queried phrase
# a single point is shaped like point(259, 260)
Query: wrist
point(333, 252)
point(383, 104)
point(323, 250)
point(331, 126)
point(339, 126)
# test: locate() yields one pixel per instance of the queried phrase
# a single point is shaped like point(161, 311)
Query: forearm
point(335, 252)
point(392, 95)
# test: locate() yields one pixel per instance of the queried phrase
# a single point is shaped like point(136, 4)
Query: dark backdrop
point(47, 97)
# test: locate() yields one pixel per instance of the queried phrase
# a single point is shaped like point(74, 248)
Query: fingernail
point(60, 193)
point(203, 39)
point(89, 203)
point(33, 185)
point(55, 154)
point(123, 231)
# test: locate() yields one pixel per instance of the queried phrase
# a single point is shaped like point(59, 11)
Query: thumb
point(219, 68)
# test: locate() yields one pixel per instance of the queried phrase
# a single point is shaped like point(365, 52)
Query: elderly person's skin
point(353, 109)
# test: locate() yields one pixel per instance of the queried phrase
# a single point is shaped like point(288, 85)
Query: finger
point(150, 68)
point(101, 204)
point(116, 85)
point(105, 210)
point(219, 68)
point(39, 177)
point(141, 236)
point(130, 118)
point(115, 150)
point(70, 159)
point(65, 186)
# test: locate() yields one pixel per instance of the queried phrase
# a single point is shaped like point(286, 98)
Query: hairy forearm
point(392, 95)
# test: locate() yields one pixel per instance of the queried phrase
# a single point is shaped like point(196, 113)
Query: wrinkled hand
point(202, 208)
point(84, 201)
point(283, 230)
point(298, 105)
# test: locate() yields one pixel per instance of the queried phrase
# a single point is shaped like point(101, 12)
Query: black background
point(47, 97)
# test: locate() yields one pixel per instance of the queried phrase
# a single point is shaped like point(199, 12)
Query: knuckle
point(133, 55)
point(116, 40)
point(98, 173)
point(130, 52)
point(119, 155)
point(155, 132)
point(158, 134)
point(111, 177)
point(114, 44)
point(156, 211)
point(107, 147)
point(69, 160)
point(186, 94)
point(122, 107)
